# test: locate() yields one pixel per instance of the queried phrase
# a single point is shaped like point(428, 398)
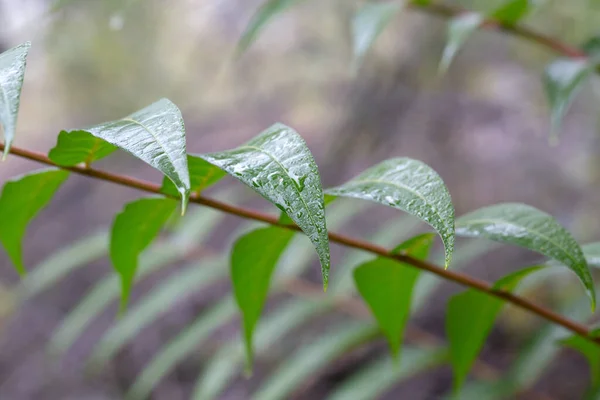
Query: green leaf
point(590, 350)
point(133, 230)
point(591, 251)
point(156, 135)
point(202, 175)
point(76, 147)
point(469, 320)
point(459, 30)
point(12, 72)
point(528, 227)
point(278, 165)
point(368, 23)
point(387, 286)
point(22, 198)
point(267, 11)
point(591, 47)
point(562, 80)
point(512, 11)
point(253, 260)
point(407, 185)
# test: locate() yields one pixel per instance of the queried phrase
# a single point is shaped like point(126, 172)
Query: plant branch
point(343, 240)
point(490, 24)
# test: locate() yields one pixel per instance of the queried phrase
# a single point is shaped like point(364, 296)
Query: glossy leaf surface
point(368, 23)
point(76, 147)
point(253, 260)
point(278, 165)
point(562, 80)
point(12, 72)
point(459, 30)
point(133, 230)
point(407, 185)
point(528, 227)
point(202, 175)
point(22, 198)
point(156, 135)
point(387, 287)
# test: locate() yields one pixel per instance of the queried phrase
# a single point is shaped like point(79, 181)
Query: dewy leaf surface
point(202, 175)
point(133, 230)
point(253, 260)
point(22, 198)
point(12, 72)
point(408, 185)
point(368, 23)
point(76, 147)
point(562, 80)
point(156, 135)
point(528, 227)
point(469, 320)
point(387, 287)
point(459, 30)
point(278, 165)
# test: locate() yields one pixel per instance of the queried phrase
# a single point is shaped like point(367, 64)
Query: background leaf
point(562, 80)
point(22, 198)
point(368, 23)
point(387, 286)
point(156, 135)
point(253, 260)
point(407, 185)
point(459, 30)
point(512, 11)
point(202, 175)
point(133, 230)
point(76, 147)
point(12, 72)
point(528, 227)
point(278, 165)
point(591, 351)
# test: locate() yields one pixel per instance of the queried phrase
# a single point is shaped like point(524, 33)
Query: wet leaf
point(278, 165)
point(253, 260)
point(12, 72)
point(76, 147)
point(368, 23)
point(591, 351)
point(133, 230)
point(267, 11)
point(408, 185)
point(459, 30)
point(562, 80)
point(387, 287)
point(22, 198)
point(202, 175)
point(156, 135)
point(528, 227)
point(512, 11)
point(469, 320)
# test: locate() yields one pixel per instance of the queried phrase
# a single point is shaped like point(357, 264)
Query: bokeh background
point(483, 126)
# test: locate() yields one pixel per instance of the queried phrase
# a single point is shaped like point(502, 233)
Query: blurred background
point(483, 126)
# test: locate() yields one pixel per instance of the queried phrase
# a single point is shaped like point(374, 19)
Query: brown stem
point(343, 240)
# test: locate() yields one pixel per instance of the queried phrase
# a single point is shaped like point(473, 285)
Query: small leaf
point(459, 30)
point(591, 351)
point(469, 320)
point(387, 286)
point(156, 135)
point(133, 230)
point(591, 251)
point(12, 72)
point(512, 11)
point(562, 80)
point(528, 227)
point(264, 15)
point(202, 176)
point(368, 23)
point(22, 198)
point(407, 185)
point(278, 165)
point(253, 260)
point(591, 47)
point(77, 147)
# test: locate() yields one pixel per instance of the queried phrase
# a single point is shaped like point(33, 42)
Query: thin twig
point(457, 277)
